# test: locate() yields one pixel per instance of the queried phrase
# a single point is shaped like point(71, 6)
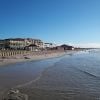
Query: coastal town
point(13, 50)
point(14, 46)
point(26, 44)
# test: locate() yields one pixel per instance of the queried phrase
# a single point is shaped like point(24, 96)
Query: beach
point(29, 57)
point(20, 73)
point(72, 75)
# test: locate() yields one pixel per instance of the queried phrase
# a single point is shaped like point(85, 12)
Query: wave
point(87, 73)
point(90, 74)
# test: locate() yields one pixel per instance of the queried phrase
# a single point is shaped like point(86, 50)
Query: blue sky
point(59, 21)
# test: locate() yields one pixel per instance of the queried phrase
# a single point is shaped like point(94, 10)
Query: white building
point(49, 45)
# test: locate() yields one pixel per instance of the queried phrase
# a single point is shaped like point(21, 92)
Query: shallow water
point(15, 74)
point(74, 77)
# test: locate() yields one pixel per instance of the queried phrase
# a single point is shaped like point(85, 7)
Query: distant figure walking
point(14, 94)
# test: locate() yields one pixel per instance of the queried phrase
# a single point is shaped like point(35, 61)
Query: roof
point(15, 39)
point(49, 43)
point(1, 40)
point(65, 46)
point(33, 45)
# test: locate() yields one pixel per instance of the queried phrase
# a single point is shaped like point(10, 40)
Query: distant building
point(14, 43)
point(60, 48)
point(2, 44)
point(49, 45)
point(38, 43)
point(32, 47)
point(20, 43)
point(29, 41)
point(67, 47)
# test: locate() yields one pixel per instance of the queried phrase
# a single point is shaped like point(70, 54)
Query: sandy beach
point(28, 87)
point(31, 57)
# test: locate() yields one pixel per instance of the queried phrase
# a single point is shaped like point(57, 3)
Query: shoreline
point(38, 88)
point(25, 58)
point(33, 58)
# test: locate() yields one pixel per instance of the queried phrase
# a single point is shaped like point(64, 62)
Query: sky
point(75, 22)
